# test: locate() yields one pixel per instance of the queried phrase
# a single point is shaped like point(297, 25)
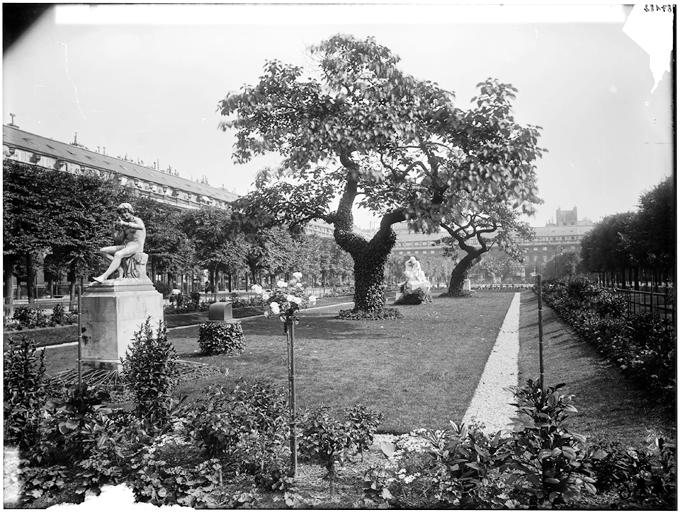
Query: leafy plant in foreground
point(150, 371)
point(24, 392)
point(550, 459)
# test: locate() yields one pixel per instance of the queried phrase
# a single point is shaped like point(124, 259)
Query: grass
point(609, 406)
point(419, 371)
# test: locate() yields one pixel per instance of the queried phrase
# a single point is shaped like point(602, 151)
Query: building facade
point(562, 236)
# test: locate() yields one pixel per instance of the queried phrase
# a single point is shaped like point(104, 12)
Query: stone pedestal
point(111, 313)
point(467, 285)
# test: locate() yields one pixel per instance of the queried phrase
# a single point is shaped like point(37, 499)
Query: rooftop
point(14, 137)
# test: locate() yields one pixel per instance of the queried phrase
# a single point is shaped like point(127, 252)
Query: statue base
point(112, 312)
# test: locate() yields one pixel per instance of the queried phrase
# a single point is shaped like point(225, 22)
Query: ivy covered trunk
point(369, 273)
point(369, 257)
point(459, 275)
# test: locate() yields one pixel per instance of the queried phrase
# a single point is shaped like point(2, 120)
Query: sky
point(145, 80)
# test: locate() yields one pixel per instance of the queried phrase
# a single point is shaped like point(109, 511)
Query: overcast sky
point(145, 81)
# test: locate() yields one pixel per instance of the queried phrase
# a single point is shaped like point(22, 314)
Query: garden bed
point(609, 405)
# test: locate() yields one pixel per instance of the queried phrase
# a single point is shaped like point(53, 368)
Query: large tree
point(490, 224)
point(169, 248)
point(363, 132)
point(218, 244)
point(52, 212)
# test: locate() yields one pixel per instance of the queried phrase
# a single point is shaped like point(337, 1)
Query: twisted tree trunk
point(369, 256)
point(460, 273)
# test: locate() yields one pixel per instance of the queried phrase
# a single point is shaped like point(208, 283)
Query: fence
point(657, 303)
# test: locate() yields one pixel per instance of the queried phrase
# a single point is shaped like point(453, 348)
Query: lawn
point(419, 371)
point(609, 406)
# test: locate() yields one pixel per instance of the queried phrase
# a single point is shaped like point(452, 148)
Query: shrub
point(324, 439)
point(163, 288)
point(81, 447)
point(238, 301)
point(31, 317)
point(58, 315)
point(550, 459)
point(641, 345)
point(195, 298)
point(150, 371)
point(65, 420)
point(220, 337)
point(383, 314)
point(641, 478)
point(541, 464)
point(460, 467)
point(24, 391)
point(362, 424)
point(246, 428)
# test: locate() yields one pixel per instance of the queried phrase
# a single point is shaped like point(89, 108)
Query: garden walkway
point(490, 404)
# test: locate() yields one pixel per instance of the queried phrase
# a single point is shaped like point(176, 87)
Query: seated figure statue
point(127, 255)
point(416, 289)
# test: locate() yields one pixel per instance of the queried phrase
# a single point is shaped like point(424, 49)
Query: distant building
point(162, 185)
point(165, 186)
point(563, 236)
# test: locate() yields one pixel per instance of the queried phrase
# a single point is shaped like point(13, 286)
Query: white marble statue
point(415, 280)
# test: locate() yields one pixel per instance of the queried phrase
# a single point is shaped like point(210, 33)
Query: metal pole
point(540, 330)
point(290, 336)
point(80, 334)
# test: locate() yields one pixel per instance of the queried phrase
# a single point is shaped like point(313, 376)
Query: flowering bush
point(286, 299)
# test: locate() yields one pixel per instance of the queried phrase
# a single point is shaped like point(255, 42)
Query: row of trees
point(360, 131)
point(631, 248)
point(60, 220)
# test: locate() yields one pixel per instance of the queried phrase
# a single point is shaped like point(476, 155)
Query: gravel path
point(490, 404)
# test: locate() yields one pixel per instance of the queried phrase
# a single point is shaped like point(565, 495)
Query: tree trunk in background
point(30, 279)
point(459, 275)
point(72, 289)
point(7, 275)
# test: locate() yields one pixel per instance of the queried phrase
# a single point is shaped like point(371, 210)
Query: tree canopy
point(359, 130)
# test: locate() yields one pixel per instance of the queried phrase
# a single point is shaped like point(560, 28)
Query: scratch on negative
point(68, 75)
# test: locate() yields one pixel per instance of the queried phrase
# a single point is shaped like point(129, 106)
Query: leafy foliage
point(246, 429)
point(23, 392)
point(383, 314)
point(220, 337)
point(639, 239)
point(150, 371)
point(324, 439)
point(642, 478)
point(329, 440)
point(405, 151)
point(362, 424)
point(169, 248)
point(58, 212)
point(641, 345)
point(551, 459)
point(539, 465)
point(491, 223)
point(217, 241)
